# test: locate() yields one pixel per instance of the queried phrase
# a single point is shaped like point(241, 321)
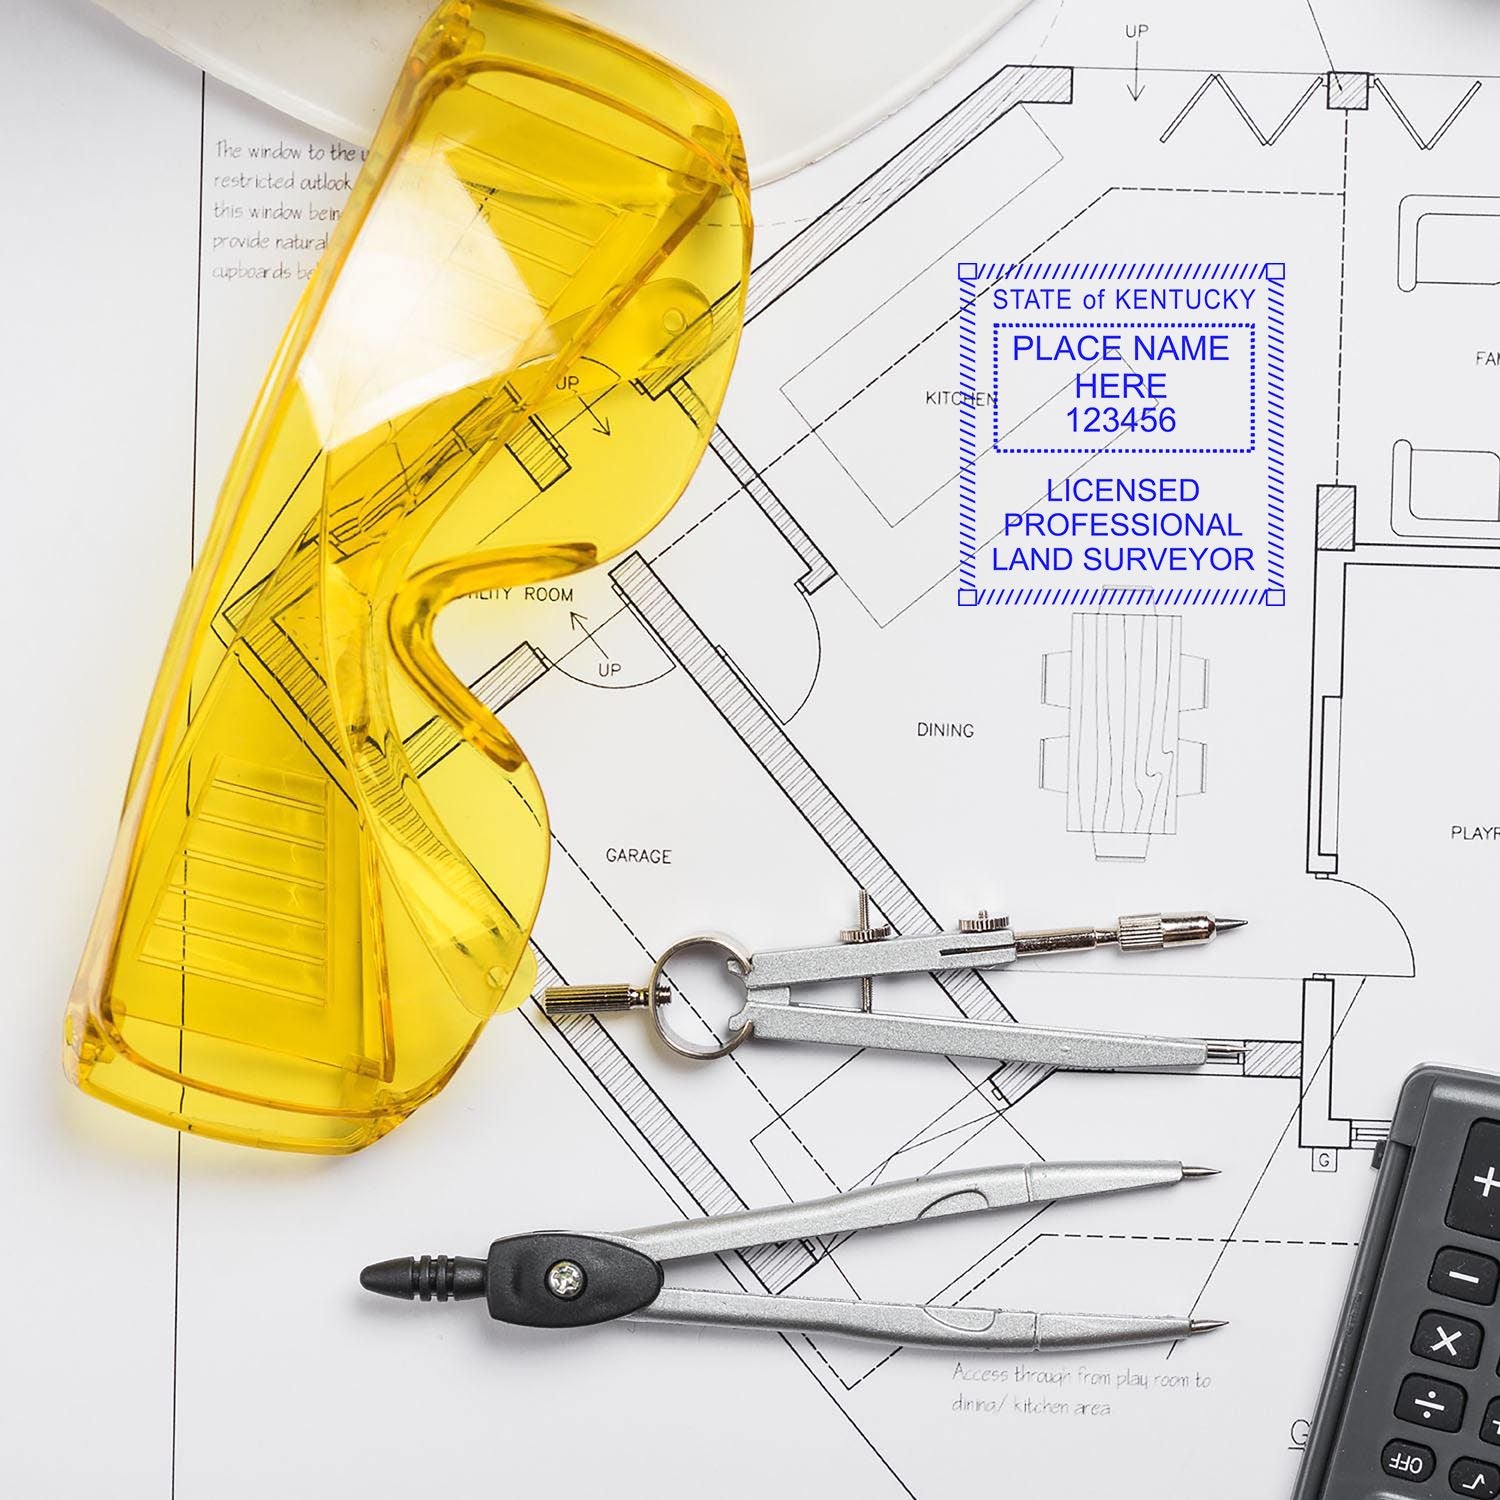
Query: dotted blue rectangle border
point(975, 280)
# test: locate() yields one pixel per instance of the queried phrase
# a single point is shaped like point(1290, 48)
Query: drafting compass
point(564, 1279)
point(868, 952)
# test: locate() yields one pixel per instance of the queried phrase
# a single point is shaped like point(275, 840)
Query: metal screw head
point(984, 922)
point(565, 1280)
point(864, 934)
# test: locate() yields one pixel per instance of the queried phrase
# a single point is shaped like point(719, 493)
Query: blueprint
point(1104, 517)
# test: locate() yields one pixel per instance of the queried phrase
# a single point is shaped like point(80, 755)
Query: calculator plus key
point(1435, 1404)
point(1472, 1476)
point(1475, 1204)
point(1489, 1429)
point(1466, 1275)
point(1449, 1340)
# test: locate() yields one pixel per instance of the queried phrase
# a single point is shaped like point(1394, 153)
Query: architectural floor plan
point(797, 649)
point(828, 673)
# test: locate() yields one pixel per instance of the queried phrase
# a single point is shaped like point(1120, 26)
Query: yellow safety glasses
point(331, 853)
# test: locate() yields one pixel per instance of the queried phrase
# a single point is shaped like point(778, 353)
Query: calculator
point(1410, 1404)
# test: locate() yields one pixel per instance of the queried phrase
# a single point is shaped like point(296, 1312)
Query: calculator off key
point(1409, 1461)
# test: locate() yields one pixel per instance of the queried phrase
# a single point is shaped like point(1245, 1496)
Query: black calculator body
point(1410, 1405)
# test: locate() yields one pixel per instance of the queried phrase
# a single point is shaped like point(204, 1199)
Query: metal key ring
point(681, 1047)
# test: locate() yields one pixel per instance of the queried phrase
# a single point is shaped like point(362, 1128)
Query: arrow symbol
point(1135, 88)
point(578, 621)
point(601, 424)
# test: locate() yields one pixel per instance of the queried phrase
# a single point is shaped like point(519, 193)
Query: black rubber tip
point(443, 1278)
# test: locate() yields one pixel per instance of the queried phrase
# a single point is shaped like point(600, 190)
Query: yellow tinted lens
point(331, 854)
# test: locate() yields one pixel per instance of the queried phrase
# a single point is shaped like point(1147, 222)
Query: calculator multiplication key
point(1464, 1274)
point(1448, 1339)
point(1475, 1204)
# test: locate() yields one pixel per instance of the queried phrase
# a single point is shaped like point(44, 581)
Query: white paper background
point(182, 1318)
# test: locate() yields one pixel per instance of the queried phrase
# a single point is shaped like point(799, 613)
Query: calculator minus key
point(1465, 1274)
point(1435, 1404)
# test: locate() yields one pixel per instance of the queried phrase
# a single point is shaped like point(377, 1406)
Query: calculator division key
point(1466, 1275)
point(1474, 1206)
point(1409, 1461)
point(1472, 1476)
point(1448, 1339)
point(1434, 1404)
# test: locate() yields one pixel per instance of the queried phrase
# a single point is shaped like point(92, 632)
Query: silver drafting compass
point(565, 1279)
point(869, 952)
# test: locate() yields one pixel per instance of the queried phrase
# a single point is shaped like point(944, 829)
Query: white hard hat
point(803, 76)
